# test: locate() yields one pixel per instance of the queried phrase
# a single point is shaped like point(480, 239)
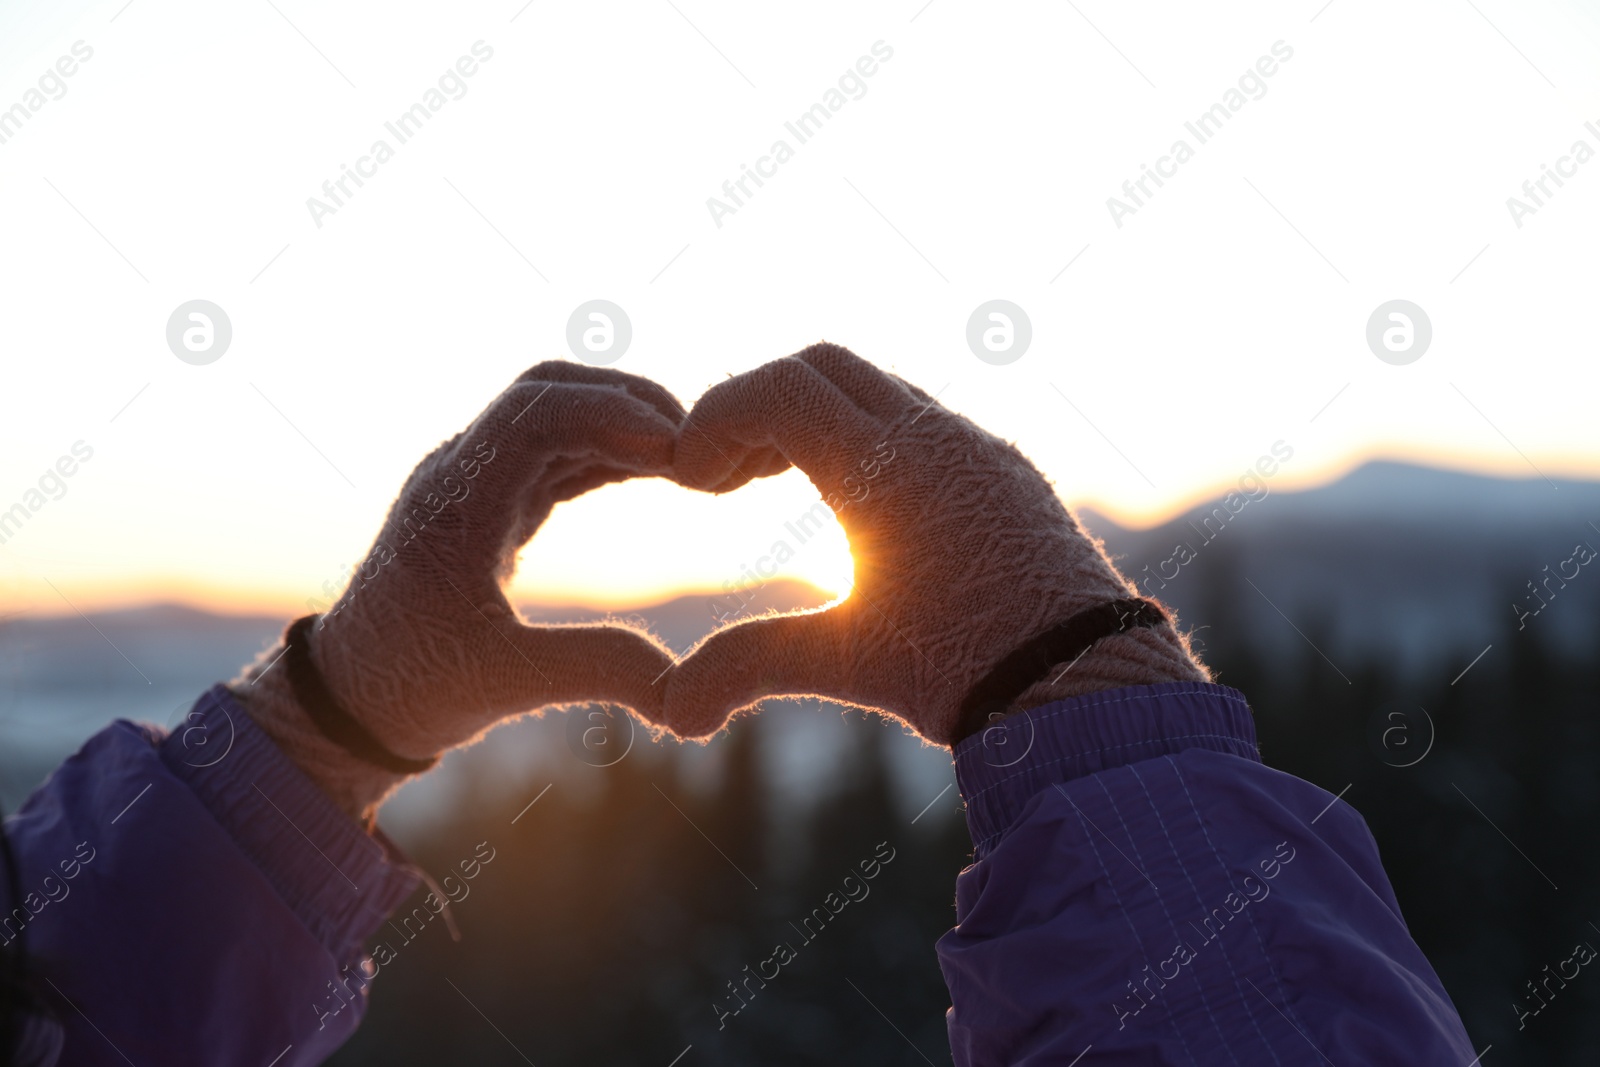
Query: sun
point(824, 561)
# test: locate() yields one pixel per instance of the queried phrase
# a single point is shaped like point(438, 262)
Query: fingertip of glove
point(702, 465)
point(564, 371)
point(698, 729)
point(692, 710)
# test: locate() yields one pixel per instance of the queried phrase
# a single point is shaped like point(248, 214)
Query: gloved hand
point(962, 553)
point(422, 648)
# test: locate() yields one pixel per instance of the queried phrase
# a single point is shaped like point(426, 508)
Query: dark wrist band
point(994, 693)
point(332, 721)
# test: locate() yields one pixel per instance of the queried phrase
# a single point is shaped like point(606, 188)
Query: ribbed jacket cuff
point(341, 882)
point(1001, 768)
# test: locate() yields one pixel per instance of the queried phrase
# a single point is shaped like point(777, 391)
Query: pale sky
point(1227, 313)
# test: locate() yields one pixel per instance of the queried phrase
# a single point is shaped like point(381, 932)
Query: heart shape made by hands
point(962, 552)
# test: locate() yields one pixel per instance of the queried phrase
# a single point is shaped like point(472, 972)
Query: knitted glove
point(962, 553)
point(422, 648)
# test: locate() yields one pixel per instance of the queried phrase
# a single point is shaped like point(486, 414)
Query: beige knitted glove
point(423, 649)
point(962, 553)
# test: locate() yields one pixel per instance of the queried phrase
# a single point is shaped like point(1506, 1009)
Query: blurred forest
point(606, 929)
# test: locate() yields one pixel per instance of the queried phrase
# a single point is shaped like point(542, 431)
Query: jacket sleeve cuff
point(1003, 767)
point(340, 881)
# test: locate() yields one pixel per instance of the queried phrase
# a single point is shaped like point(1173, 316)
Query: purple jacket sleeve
point(1144, 890)
point(193, 898)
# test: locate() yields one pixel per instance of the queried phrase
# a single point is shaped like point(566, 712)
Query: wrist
point(1133, 655)
point(265, 692)
point(1146, 656)
point(1113, 643)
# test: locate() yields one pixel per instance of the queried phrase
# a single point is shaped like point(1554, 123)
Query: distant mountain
point(1387, 489)
point(1396, 560)
point(1392, 558)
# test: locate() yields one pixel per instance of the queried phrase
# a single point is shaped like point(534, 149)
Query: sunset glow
point(1171, 347)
